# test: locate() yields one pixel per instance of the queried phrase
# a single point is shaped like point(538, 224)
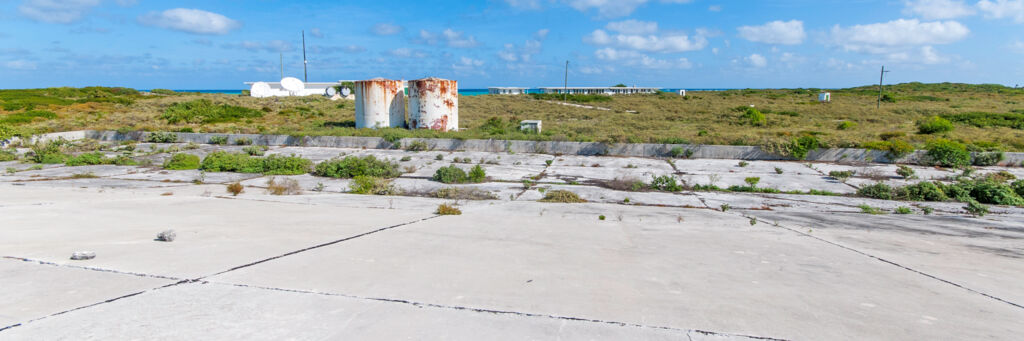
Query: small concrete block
point(166, 236)
point(83, 255)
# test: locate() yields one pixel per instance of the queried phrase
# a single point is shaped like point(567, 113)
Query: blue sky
point(664, 43)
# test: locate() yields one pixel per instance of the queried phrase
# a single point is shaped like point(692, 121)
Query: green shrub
point(446, 209)
point(450, 175)
point(1018, 187)
point(182, 162)
point(988, 159)
point(416, 146)
point(562, 196)
point(947, 153)
point(803, 145)
point(934, 125)
point(218, 139)
point(363, 184)
point(846, 125)
point(477, 174)
point(353, 166)
point(243, 141)
point(255, 150)
point(285, 165)
point(921, 191)
point(205, 111)
point(49, 152)
point(754, 117)
point(221, 161)
point(842, 176)
point(162, 137)
point(976, 209)
point(163, 92)
point(903, 210)
point(990, 192)
point(752, 181)
point(895, 148)
point(876, 191)
point(665, 183)
point(7, 132)
point(681, 153)
point(905, 171)
point(983, 119)
point(870, 210)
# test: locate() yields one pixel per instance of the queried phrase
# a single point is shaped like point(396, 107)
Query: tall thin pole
point(565, 86)
point(881, 76)
point(305, 74)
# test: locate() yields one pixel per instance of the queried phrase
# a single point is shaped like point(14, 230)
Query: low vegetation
point(182, 162)
point(363, 184)
point(221, 161)
point(235, 188)
point(353, 166)
point(562, 196)
point(454, 175)
point(205, 111)
point(283, 186)
point(448, 209)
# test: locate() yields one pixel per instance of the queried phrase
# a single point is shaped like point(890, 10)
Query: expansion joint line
point(497, 312)
point(883, 260)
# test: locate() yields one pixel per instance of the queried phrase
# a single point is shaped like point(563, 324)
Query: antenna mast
point(305, 75)
point(878, 104)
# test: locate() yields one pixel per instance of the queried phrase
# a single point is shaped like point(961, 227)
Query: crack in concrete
point(91, 268)
point(883, 260)
point(497, 312)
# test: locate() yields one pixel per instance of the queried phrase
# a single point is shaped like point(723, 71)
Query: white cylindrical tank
point(380, 103)
point(434, 104)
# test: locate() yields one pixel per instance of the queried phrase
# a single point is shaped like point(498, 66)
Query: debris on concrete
point(83, 255)
point(166, 236)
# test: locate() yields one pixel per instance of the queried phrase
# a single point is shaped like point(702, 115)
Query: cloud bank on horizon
point(667, 43)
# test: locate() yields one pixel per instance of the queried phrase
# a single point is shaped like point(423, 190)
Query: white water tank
point(434, 104)
point(380, 103)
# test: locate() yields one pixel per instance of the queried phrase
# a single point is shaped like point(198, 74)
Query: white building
point(598, 90)
point(274, 89)
point(825, 97)
point(506, 91)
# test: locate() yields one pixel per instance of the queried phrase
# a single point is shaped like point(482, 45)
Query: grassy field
point(985, 117)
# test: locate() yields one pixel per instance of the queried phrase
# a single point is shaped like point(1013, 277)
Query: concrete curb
point(520, 146)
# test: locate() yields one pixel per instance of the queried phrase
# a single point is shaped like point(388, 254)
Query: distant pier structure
point(506, 91)
point(597, 90)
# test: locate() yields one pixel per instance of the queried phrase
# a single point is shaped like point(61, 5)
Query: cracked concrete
point(659, 266)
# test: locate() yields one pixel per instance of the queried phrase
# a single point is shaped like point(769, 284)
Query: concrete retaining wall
point(540, 147)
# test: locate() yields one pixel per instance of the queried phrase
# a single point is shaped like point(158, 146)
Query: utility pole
point(878, 105)
point(565, 86)
point(305, 75)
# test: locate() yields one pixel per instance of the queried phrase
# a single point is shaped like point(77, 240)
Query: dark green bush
point(243, 141)
point(975, 208)
point(7, 156)
point(988, 159)
point(363, 184)
point(921, 191)
point(218, 139)
point(205, 111)
point(896, 148)
point(221, 161)
point(905, 171)
point(681, 153)
point(803, 145)
point(182, 162)
point(477, 174)
point(947, 153)
point(984, 119)
point(255, 150)
point(353, 166)
point(990, 192)
point(842, 176)
point(162, 137)
point(450, 175)
point(98, 158)
point(934, 125)
point(665, 183)
point(846, 125)
point(285, 165)
point(877, 191)
point(49, 152)
point(7, 132)
point(1018, 187)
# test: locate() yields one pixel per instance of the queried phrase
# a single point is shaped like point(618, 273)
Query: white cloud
point(922, 55)
point(673, 42)
point(756, 60)
point(715, 8)
point(525, 4)
point(385, 29)
point(614, 8)
point(524, 53)
point(897, 35)
point(1017, 46)
point(56, 11)
point(316, 33)
point(633, 27)
point(634, 58)
point(775, 32)
point(319, 49)
point(937, 9)
point(1003, 9)
point(468, 66)
point(542, 33)
point(191, 21)
point(20, 65)
point(405, 52)
point(458, 39)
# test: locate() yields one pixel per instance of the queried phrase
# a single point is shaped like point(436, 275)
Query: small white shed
point(530, 125)
point(825, 97)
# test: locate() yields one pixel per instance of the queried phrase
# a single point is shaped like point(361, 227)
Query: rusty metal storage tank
point(380, 103)
point(434, 104)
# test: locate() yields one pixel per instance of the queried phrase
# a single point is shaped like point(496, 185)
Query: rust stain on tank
point(440, 124)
